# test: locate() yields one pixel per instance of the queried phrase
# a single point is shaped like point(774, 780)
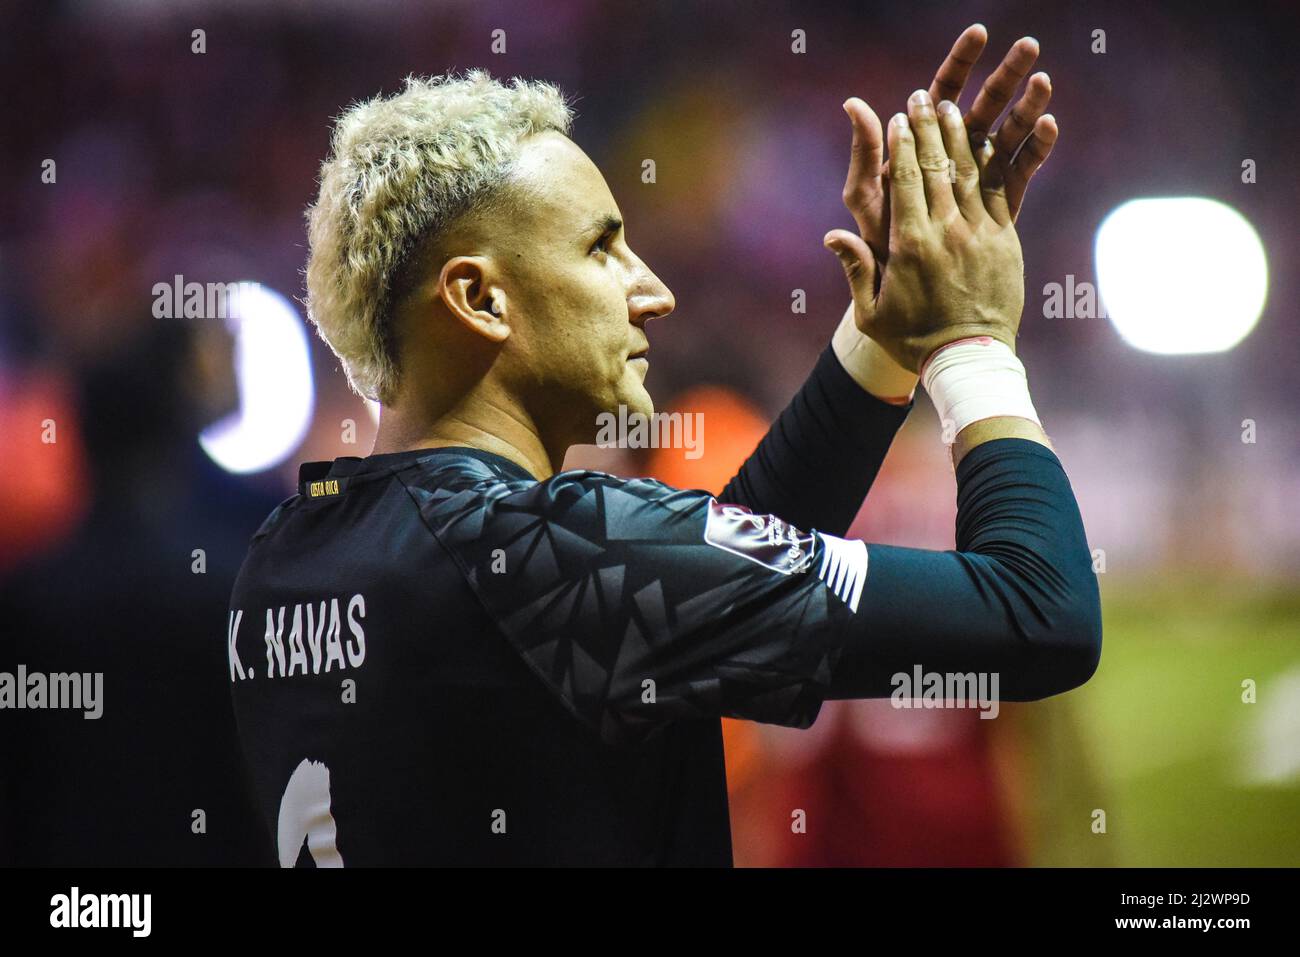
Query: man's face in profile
point(578, 297)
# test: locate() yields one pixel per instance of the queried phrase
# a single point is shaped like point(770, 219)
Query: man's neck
point(491, 428)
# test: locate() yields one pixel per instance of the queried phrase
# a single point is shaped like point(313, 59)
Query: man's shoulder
point(461, 495)
point(470, 508)
point(461, 468)
point(448, 483)
point(273, 520)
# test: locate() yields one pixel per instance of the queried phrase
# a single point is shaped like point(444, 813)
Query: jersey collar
point(347, 466)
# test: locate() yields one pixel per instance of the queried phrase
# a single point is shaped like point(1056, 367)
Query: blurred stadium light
point(1181, 275)
point(276, 393)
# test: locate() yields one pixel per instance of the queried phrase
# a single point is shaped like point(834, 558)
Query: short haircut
point(401, 170)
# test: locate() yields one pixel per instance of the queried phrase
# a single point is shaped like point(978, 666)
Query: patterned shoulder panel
point(639, 603)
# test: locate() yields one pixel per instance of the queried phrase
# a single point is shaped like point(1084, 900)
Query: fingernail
point(900, 120)
point(947, 106)
point(919, 98)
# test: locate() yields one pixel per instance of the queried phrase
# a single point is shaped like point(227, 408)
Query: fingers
point(966, 179)
point(1032, 155)
point(907, 204)
point(859, 268)
point(931, 156)
point(1020, 121)
point(993, 187)
point(1000, 87)
point(955, 69)
point(862, 188)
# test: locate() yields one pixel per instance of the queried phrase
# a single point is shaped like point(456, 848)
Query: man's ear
point(466, 289)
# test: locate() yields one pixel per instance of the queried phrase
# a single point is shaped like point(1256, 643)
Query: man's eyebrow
point(605, 223)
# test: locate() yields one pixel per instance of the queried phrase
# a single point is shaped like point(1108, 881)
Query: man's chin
point(633, 402)
point(638, 402)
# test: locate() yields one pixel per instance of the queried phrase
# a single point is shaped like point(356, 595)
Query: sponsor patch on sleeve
point(764, 539)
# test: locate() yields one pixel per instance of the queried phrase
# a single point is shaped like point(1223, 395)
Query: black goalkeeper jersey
point(437, 659)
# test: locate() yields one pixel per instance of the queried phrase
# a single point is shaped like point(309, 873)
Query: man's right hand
point(955, 268)
point(1020, 145)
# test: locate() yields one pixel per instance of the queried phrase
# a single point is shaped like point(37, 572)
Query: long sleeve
point(817, 462)
point(638, 604)
point(1017, 597)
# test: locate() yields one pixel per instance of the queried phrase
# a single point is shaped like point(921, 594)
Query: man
point(450, 652)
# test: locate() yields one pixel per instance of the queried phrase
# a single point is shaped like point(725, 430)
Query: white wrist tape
point(974, 379)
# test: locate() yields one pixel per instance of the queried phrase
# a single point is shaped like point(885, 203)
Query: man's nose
point(651, 299)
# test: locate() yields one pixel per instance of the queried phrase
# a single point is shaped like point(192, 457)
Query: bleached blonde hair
point(401, 170)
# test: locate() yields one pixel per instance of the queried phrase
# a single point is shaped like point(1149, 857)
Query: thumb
point(859, 266)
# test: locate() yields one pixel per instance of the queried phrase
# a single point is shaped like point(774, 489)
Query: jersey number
point(305, 816)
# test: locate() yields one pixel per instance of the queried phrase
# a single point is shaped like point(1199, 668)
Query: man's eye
point(601, 245)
